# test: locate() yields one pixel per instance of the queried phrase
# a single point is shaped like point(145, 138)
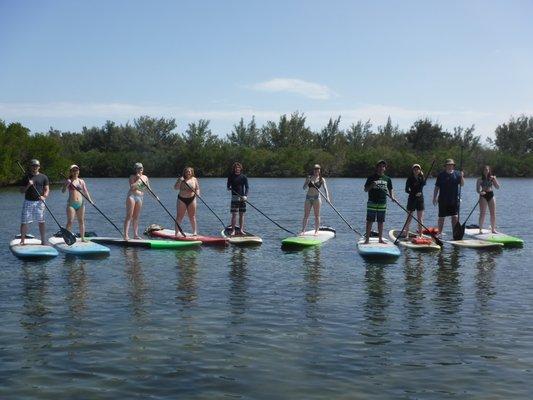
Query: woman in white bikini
point(75, 203)
point(189, 188)
point(134, 200)
point(313, 184)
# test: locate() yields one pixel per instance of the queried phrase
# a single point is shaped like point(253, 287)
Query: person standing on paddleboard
point(134, 200)
point(189, 188)
point(446, 193)
point(484, 186)
point(378, 186)
point(415, 201)
point(33, 207)
point(312, 184)
point(238, 185)
point(75, 204)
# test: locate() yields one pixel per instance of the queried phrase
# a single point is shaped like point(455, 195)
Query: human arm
point(478, 187)
point(495, 182)
point(408, 186)
point(178, 182)
point(462, 174)
point(83, 187)
point(369, 184)
point(326, 191)
point(306, 183)
point(435, 195)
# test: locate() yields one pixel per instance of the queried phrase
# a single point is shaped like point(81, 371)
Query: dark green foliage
point(286, 148)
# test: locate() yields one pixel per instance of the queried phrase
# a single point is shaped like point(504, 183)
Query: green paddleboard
point(152, 244)
point(506, 240)
point(308, 238)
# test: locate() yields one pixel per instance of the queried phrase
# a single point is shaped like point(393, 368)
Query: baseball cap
point(138, 165)
point(73, 166)
point(449, 161)
point(317, 166)
point(35, 162)
point(416, 166)
point(381, 162)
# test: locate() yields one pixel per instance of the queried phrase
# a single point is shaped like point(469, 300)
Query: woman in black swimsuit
point(189, 188)
point(484, 187)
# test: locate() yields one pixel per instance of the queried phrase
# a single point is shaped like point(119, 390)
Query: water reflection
point(238, 290)
point(414, 283)
point(77, 286)
point(187, 286)
point(376, 304)
point(137, 285)
point(484, 279)
point(312, 267)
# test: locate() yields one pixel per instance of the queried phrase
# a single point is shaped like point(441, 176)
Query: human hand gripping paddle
point(67, 235)
point(262, 213)
point(435, 238)
point(162, 205)
point(410, 213)
point(94, 205)
point(334, 209)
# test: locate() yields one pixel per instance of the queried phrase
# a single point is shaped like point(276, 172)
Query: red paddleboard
point(171, 235)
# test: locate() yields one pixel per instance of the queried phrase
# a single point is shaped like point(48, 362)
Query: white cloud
point(311, 90)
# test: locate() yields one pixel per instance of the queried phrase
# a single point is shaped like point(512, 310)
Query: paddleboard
point(171, 235)
point(150, 244)
point(32, 249)
point(79, 248)
point(308, 238)
point(487, 235)
point(408, 241)
point(474, 244)
point(375, 250)
point(241, 238)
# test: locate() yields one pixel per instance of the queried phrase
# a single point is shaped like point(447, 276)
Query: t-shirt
point(414, 185)
point(448, 185)
point(39, 181)
point(378, 194)
point(238, 184)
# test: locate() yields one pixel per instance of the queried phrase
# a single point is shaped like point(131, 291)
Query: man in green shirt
point(378, 186)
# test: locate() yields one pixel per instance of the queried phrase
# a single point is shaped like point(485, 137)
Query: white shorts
point(32, 211)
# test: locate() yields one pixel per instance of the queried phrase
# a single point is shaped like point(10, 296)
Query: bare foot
point(366, 242)
point(381, 241)
point(137, 237)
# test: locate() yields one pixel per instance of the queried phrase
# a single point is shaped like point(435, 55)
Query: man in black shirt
point(238, 184)
point(36, 189)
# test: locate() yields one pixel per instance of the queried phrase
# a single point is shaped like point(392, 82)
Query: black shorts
point(415, 203)
point(447, 210)
point(237, 205)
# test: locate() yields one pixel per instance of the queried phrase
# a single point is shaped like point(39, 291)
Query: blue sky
point(69, 64)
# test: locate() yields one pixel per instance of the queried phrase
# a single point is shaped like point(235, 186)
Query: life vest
point(419, 240)
point(431, 231)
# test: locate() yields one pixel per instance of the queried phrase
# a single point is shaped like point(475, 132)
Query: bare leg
point(233, 222)
point(135, 218)
point(23, 232)
point(380, 232)
point(80, 213)
point(368, 230)
point(42, 231)
point(407, 224)
point(191, 211)
point(70, 218)
point(182, 209)
point(492, 210)
point(316, 210)
point(241, 221)
point(130, 204)
point(307, 210)
point(455, 220)
point(420, 216)
point(482, 212)
point(440, 224)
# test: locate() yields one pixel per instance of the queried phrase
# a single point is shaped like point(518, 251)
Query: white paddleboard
point(407, 241)
point(32, 249)
point(79, 248)
point(375, 250)
point(241, 238)
point(486, 234)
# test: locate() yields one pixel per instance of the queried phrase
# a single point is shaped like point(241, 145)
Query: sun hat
point(73, 166)
point(317, 166)
point(416, 166)
point(449, 161)
point(35, 162)
point(138, 165)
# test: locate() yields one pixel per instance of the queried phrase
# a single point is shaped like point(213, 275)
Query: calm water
point(261, 323)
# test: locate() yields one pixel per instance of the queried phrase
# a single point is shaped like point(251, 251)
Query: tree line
point(288, 147)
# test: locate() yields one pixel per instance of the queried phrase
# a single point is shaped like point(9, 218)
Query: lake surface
point(263, 323)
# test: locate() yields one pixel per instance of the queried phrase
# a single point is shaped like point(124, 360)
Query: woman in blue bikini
point(75, 204)
point(134, 200)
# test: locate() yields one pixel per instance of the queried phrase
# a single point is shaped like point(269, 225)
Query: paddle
point(459, 229)
point(437, 240)
point(334, 209)
point(67, 235)
point(263, 214)
point(162, 205)
point(410, 213)
point(94, 205)
point(202, 200)
point(459, 232)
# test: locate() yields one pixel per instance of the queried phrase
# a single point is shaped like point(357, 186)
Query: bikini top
point(186, 186)
point(486, 183)
point(81, 186)
point(318, 184)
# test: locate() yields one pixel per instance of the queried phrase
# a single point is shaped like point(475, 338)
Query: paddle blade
point(458, 231)
point(68, 236)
